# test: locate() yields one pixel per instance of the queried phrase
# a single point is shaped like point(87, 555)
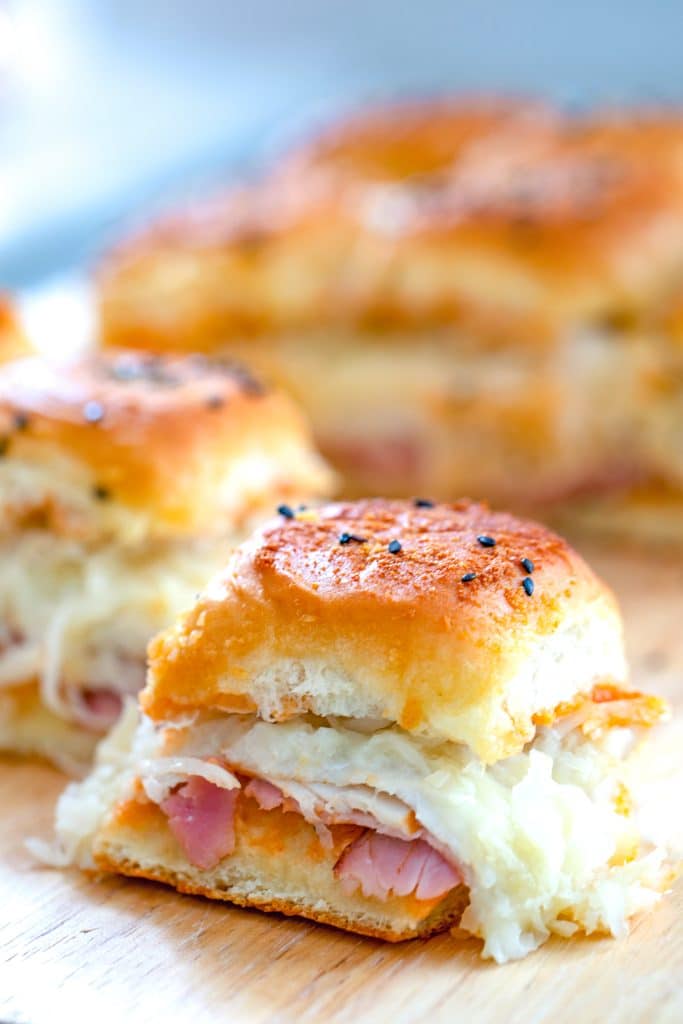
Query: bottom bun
point(279, 865)
point(28, 727)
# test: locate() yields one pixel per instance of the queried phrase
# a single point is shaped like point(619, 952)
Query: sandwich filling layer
point(584, 439)
point(549, 840)
point(77, 619)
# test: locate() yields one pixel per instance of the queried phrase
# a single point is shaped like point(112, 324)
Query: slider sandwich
point(465, 296)
point(124, 481)
point(390, 717)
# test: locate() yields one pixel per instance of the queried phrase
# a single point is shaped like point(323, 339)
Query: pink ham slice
point(201, 816)
point(383, 865)
point(266, 795)
point(380, 864)
point(94, 709)
point(104, 704)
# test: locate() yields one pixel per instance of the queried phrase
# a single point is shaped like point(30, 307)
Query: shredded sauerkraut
point(75, 616)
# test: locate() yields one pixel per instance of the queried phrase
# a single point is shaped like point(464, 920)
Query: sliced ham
point(322, 804)
point(201, 816)
point(266, 795)
point(382, 865)
point(95, 709)
point(104, 704)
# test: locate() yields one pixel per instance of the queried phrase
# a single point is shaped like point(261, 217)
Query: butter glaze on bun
point(131, 444)
point(414, 213)
point(416, 618)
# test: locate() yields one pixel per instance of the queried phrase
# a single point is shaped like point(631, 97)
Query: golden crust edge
point(434, 924)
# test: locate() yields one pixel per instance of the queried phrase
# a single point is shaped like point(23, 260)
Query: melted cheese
point(72, 616)
point(243, 496)
point(540, 837)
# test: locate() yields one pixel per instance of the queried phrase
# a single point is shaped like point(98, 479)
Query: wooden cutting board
point(126, 951)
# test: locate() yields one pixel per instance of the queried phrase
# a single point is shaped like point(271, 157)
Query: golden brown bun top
point(409, 143)
point(490, 148)
point(409, 140)
point(377, 601)
point(438, 545)
point(429, 211)
point(172, 437)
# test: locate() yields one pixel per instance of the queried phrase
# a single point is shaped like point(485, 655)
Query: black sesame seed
point(423, 503)
point(468, 577)
point(345, 538)
point(4, 445)
point(527, 564)
point(215, 402)
point(20, 421)
point(394, 547)
point(486, 542)
point(101, 493)
point(93, 412)
point(286, 511)
point(528, 585)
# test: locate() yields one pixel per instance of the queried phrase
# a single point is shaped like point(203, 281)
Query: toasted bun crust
point(438, 212)
point(301, 622)
point(182, 444)
point(278, 865)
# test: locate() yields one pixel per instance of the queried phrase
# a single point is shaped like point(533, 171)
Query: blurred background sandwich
point(468, 296)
